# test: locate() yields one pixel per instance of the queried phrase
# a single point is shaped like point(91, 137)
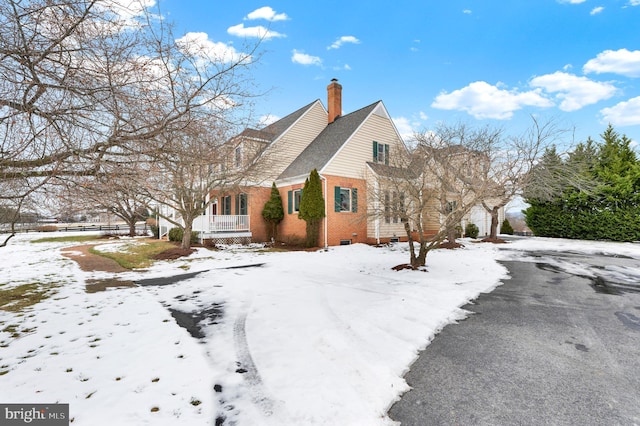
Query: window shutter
point(354, 200)
point(237, 204)
point(386, 155)
point(375, 151)
point(336, 198)
point(290, 201)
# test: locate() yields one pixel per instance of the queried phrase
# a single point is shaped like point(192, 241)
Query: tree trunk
point(421, 260)
point(132, 228)
point(451, 235)
point(313, 231)
point(413, 259)
point(186, 237)
point(494, 223)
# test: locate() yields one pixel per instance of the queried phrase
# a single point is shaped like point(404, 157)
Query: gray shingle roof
point(318, 153)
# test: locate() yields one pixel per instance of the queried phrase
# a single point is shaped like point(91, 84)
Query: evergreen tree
point(312, 207)
point(506, 227)
point(601, 201)
point(273, 213)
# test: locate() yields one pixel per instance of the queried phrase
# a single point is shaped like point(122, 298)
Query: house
point(348, 151)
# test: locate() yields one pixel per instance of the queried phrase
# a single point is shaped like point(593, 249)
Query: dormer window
point(239, 156)
point(380, 153)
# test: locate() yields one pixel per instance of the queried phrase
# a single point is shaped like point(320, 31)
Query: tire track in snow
point(248, 368)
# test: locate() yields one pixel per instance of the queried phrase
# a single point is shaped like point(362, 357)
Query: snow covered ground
point(297, 338)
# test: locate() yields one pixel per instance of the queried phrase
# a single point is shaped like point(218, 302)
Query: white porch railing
point(229, 223)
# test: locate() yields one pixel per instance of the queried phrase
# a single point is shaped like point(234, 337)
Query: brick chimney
point(334, 100)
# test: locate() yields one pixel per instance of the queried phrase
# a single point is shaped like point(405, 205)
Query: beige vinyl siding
point(432, 220)
point(351, 159)
point(387, 230)
point(296, 139)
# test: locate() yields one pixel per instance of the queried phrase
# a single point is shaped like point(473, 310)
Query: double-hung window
point(293, 200)
point(380, 153)
point(238, 156)
point(226, 204)
point(241, 204)
point(345, 199)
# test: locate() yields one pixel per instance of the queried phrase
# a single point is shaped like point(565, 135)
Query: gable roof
point(274, 130)
point(318, 153)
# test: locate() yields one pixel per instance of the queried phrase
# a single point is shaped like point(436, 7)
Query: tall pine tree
point(273, 213)
point(600, 200)
point(312, 207)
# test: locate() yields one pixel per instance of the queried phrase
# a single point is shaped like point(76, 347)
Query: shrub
point(155, 230)
point(471, 230)
point(506, 228)
point(175, 234)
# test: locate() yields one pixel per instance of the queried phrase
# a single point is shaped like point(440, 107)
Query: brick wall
point(256, 200)
point(342, 226)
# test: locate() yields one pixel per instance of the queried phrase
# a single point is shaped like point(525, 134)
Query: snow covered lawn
point(313, 338)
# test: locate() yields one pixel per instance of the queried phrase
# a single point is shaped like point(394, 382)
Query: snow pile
point(282, 338)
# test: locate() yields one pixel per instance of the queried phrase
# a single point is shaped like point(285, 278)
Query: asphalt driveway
point(546, 348)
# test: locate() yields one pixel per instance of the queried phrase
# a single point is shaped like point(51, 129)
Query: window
point(396, 204)
point(451, 207)
point(380, 153)
point(394, 207)
point(239, 156)
point(293, 200)
point(241, 204)
point(387, 207)
point(226, 205)
point(345, 199)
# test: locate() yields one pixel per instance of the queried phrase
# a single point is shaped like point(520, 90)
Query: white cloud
point(623, 114)
point(621, 61)
point(482, 100)
point(467, 12)
point(596, 10)
point(423, 116)
point(406, 127)
point(572, 1)
point(255, 32)
point(634, 2)
point(198, 44)
point(304, 59)
point(127, 11)
point(267, 119)
point(342, 40)
point(344, 67)
point(266, 13)
point(573, 92)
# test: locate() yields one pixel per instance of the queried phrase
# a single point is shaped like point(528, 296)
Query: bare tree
point(509, 162)
point(187, 166)
point(433, 187)
point(82, 81)
point(115, 191)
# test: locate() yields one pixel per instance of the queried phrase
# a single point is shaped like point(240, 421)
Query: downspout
point(376, 207)
point(326, 221)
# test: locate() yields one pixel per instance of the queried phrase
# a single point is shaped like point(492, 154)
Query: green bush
point(471, 230)
point(175, 234)
point(506, 228)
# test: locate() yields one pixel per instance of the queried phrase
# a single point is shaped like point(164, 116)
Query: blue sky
point(477, 62)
